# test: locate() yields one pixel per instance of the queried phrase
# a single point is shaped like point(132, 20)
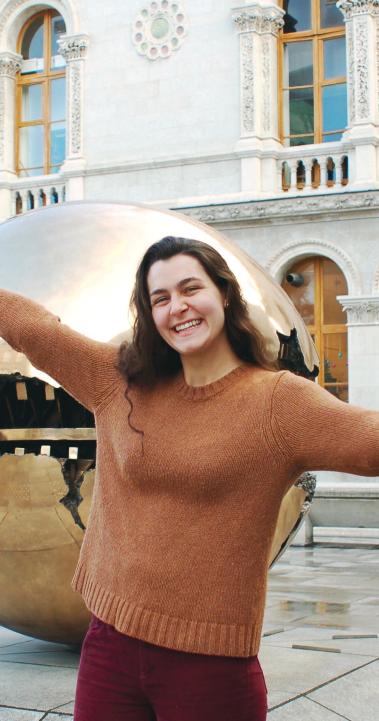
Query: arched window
point(313, 285)
point(41, 97)
point(313, 95)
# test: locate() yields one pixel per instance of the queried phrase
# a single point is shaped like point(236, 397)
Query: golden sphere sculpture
point(79, 260)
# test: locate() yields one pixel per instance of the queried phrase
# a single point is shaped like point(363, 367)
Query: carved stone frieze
point(349, 8)
point(362, 310)
point(350, 70)
point(76, 110)
point(285, 207)
point(266, 87)
point(248, 109)
point(361, 60)
point(73, 47)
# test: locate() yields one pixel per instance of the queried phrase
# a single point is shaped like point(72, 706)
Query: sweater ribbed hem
point(179, 634)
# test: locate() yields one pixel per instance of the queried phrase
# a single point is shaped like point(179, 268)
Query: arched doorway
point(313, 285)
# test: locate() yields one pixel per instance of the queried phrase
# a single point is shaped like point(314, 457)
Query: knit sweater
point(180, 528)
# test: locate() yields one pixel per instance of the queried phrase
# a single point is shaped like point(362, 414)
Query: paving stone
point(354, 695)
point(67, 707)
point(300, 671)
point(30, 686)
point(11, 714)
point(320, 636)
point(9, 638)
point(61, 658)
point(58, 717)
point(302, 708)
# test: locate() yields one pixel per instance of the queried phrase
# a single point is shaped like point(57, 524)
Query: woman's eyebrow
point(178, 285)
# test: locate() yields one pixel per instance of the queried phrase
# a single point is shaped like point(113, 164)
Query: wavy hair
point(148, 358)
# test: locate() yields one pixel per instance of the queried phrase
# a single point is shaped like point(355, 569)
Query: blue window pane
point(31, 147)
point(298, 64)
point(332, 138)
point(32, 43)
point(301, 140)
point(58, 28)
point(58, 99)
point(298, 111)
point(57, 143)
point(331, 16)
point(334, 107)
point(334, 58)
point(297, 15)
point(31, 102)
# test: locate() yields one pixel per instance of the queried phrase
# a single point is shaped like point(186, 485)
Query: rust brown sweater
point(177, 544)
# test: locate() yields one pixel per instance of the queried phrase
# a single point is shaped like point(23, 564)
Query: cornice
point(10, 64)
point(361, 310)
point(326, 204)
point(258, 19)
point(73, 47)
point(351, 8)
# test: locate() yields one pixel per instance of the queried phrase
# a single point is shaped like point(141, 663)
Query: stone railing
point(32, 193)
point(320, 168)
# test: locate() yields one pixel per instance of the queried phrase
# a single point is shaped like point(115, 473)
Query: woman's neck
point(210, 364)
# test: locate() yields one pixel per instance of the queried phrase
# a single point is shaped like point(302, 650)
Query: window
point(313, 94)
point(313, 285)
point(41, 97)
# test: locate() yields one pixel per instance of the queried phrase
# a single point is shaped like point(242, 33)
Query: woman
point(198, 441)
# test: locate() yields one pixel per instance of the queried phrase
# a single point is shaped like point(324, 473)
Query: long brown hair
point(148, 358)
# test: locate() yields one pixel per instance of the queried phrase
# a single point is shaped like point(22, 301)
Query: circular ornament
point(159, 29)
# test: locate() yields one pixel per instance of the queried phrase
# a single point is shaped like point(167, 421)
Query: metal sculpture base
point(40, 540)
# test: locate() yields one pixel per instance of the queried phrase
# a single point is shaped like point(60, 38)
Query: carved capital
point(10, 64)
point(73, 47)
point(256, 19)
point(362, 310)
point(351, 8)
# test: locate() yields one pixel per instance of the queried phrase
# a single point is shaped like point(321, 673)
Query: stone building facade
point(190, 105)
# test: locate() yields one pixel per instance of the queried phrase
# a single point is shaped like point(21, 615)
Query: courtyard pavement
point(319, 652)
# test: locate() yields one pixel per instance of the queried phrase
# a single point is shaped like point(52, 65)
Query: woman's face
point(187, 307)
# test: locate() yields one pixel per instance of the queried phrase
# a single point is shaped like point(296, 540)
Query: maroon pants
point(124, 679)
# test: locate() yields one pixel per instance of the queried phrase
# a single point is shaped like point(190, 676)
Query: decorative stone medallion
point(159, 29)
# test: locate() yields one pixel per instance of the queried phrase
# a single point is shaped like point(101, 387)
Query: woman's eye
point(192, 288)
point(160, 300)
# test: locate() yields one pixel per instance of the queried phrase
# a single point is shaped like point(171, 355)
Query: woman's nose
point(178, 304)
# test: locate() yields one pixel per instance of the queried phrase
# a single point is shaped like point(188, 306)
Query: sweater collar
point(199, 393)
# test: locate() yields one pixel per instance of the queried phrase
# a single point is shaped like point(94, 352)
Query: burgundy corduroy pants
point(125, 679)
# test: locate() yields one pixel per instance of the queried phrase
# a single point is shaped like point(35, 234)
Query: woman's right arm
point(85, 368)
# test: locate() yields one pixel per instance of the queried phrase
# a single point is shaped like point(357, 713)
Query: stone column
point(10, 64)
point(362, 45)
point(73, 48)
point(363, 344)
point(258, 25)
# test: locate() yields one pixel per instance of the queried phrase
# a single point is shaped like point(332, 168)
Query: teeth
point(189, 324)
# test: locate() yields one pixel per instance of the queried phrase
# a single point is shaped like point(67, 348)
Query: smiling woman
point(181, 281)
point(174, 562)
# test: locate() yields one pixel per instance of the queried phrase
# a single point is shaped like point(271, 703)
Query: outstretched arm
point(320, 432)
point(84, 367)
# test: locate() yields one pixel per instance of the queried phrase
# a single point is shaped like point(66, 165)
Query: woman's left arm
point(319, 432)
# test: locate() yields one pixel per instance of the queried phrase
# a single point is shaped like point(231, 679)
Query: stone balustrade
point(30, 194)
point(319, 168)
